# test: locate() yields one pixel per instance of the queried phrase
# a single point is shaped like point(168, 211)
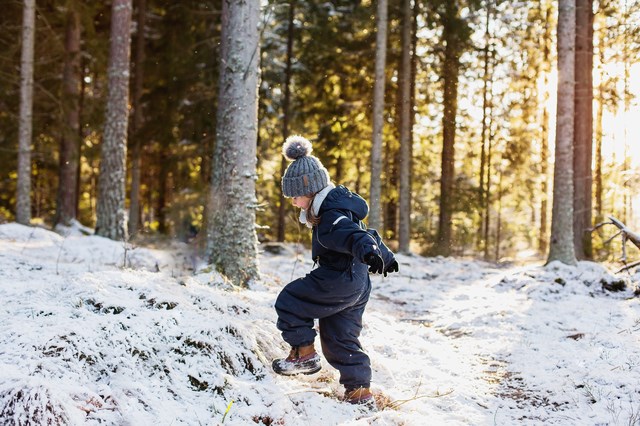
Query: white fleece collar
point(315, 205)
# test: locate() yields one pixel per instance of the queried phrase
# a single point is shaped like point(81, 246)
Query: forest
point(147, 235)
point(449, 117)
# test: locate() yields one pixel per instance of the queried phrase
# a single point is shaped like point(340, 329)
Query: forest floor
point(86, 340)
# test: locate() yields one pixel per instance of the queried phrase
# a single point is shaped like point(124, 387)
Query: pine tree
point(375, 199)
point(583, 130)
point(286, 112)
point(70, 142)
point(23, 205)
point(404, 226)
point(455, 35)
point(138, 117)
point(231, 243)
point(111, 214)
point(561, 244)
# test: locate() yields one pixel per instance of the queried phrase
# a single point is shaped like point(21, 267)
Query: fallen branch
point(397, 403)
point(627, 235)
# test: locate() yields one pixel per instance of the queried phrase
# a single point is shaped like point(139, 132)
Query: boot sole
point(296, 373)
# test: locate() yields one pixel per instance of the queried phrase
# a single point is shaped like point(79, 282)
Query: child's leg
point(296, 313)
point(319, 294)
point(341, 347)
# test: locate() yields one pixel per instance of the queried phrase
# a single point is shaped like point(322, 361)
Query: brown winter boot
point(360, 396)
point(301, 360)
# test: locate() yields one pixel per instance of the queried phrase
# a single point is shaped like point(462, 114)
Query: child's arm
point(339, 233)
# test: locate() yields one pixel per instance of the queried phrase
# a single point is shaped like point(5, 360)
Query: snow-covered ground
point(84, 340)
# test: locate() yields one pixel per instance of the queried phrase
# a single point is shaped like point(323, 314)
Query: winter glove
point(375, 262)
point(393, 267)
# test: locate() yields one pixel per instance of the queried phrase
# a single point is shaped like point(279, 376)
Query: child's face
point(302, 202)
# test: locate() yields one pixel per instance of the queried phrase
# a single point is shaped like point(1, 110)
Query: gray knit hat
point(305, 175)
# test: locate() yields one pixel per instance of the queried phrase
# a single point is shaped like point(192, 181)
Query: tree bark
point(450, 72)
point(375, 198)
point(583, 131)
point(543, 240)
point(232, 241)
point(111, 214)
point(599, 131)
point(70, 141)
point(23, 197)
point(138, 119)
point(286, 115)
point(404, 226)
point(561, 245)
point(486, 78)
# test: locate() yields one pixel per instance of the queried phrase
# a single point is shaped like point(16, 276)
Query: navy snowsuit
point(337, 291)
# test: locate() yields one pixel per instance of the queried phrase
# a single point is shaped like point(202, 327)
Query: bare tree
point(67, 201)
point(23, 202)
point(561, 244)
point(375, 198)
point(231, 239)
point(111, 214)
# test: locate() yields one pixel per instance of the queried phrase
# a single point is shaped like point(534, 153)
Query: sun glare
point(620, 127)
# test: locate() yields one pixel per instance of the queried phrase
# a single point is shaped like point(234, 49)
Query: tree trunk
point(488, 189)
point(111, 214)
point(486, 78)
point(163, 188)
point(138, 118)
point(286, 115)
point(561, 246)
point(583, 131)
point(70, 141)
point(23, 197)
point(232, 241)
point(375, 198)
point(404, 226)
point(599, 131)
point(450, 71)
point(499, 218)
point(543, 240)
point(391, 214)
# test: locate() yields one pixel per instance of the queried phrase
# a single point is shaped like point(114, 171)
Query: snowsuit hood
point(341, 198)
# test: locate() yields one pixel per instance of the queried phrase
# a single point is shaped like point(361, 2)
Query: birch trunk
point(231, 239)
point(23, 198)
point(561, 244)
point(111, 214)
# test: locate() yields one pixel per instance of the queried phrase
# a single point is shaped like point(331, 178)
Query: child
point(337, 291)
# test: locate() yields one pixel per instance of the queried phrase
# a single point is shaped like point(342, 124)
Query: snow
point(94, 331)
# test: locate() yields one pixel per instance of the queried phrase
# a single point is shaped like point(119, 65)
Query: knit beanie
point(305, 175)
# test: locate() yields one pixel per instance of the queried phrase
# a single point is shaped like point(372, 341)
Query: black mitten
point(393, 267)
point(375, 262)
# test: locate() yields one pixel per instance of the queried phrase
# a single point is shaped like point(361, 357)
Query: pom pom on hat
point(296, 147)
point(305, 175)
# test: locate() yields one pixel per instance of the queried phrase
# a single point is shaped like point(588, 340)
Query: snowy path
point(518, 345)
point(527, 345)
